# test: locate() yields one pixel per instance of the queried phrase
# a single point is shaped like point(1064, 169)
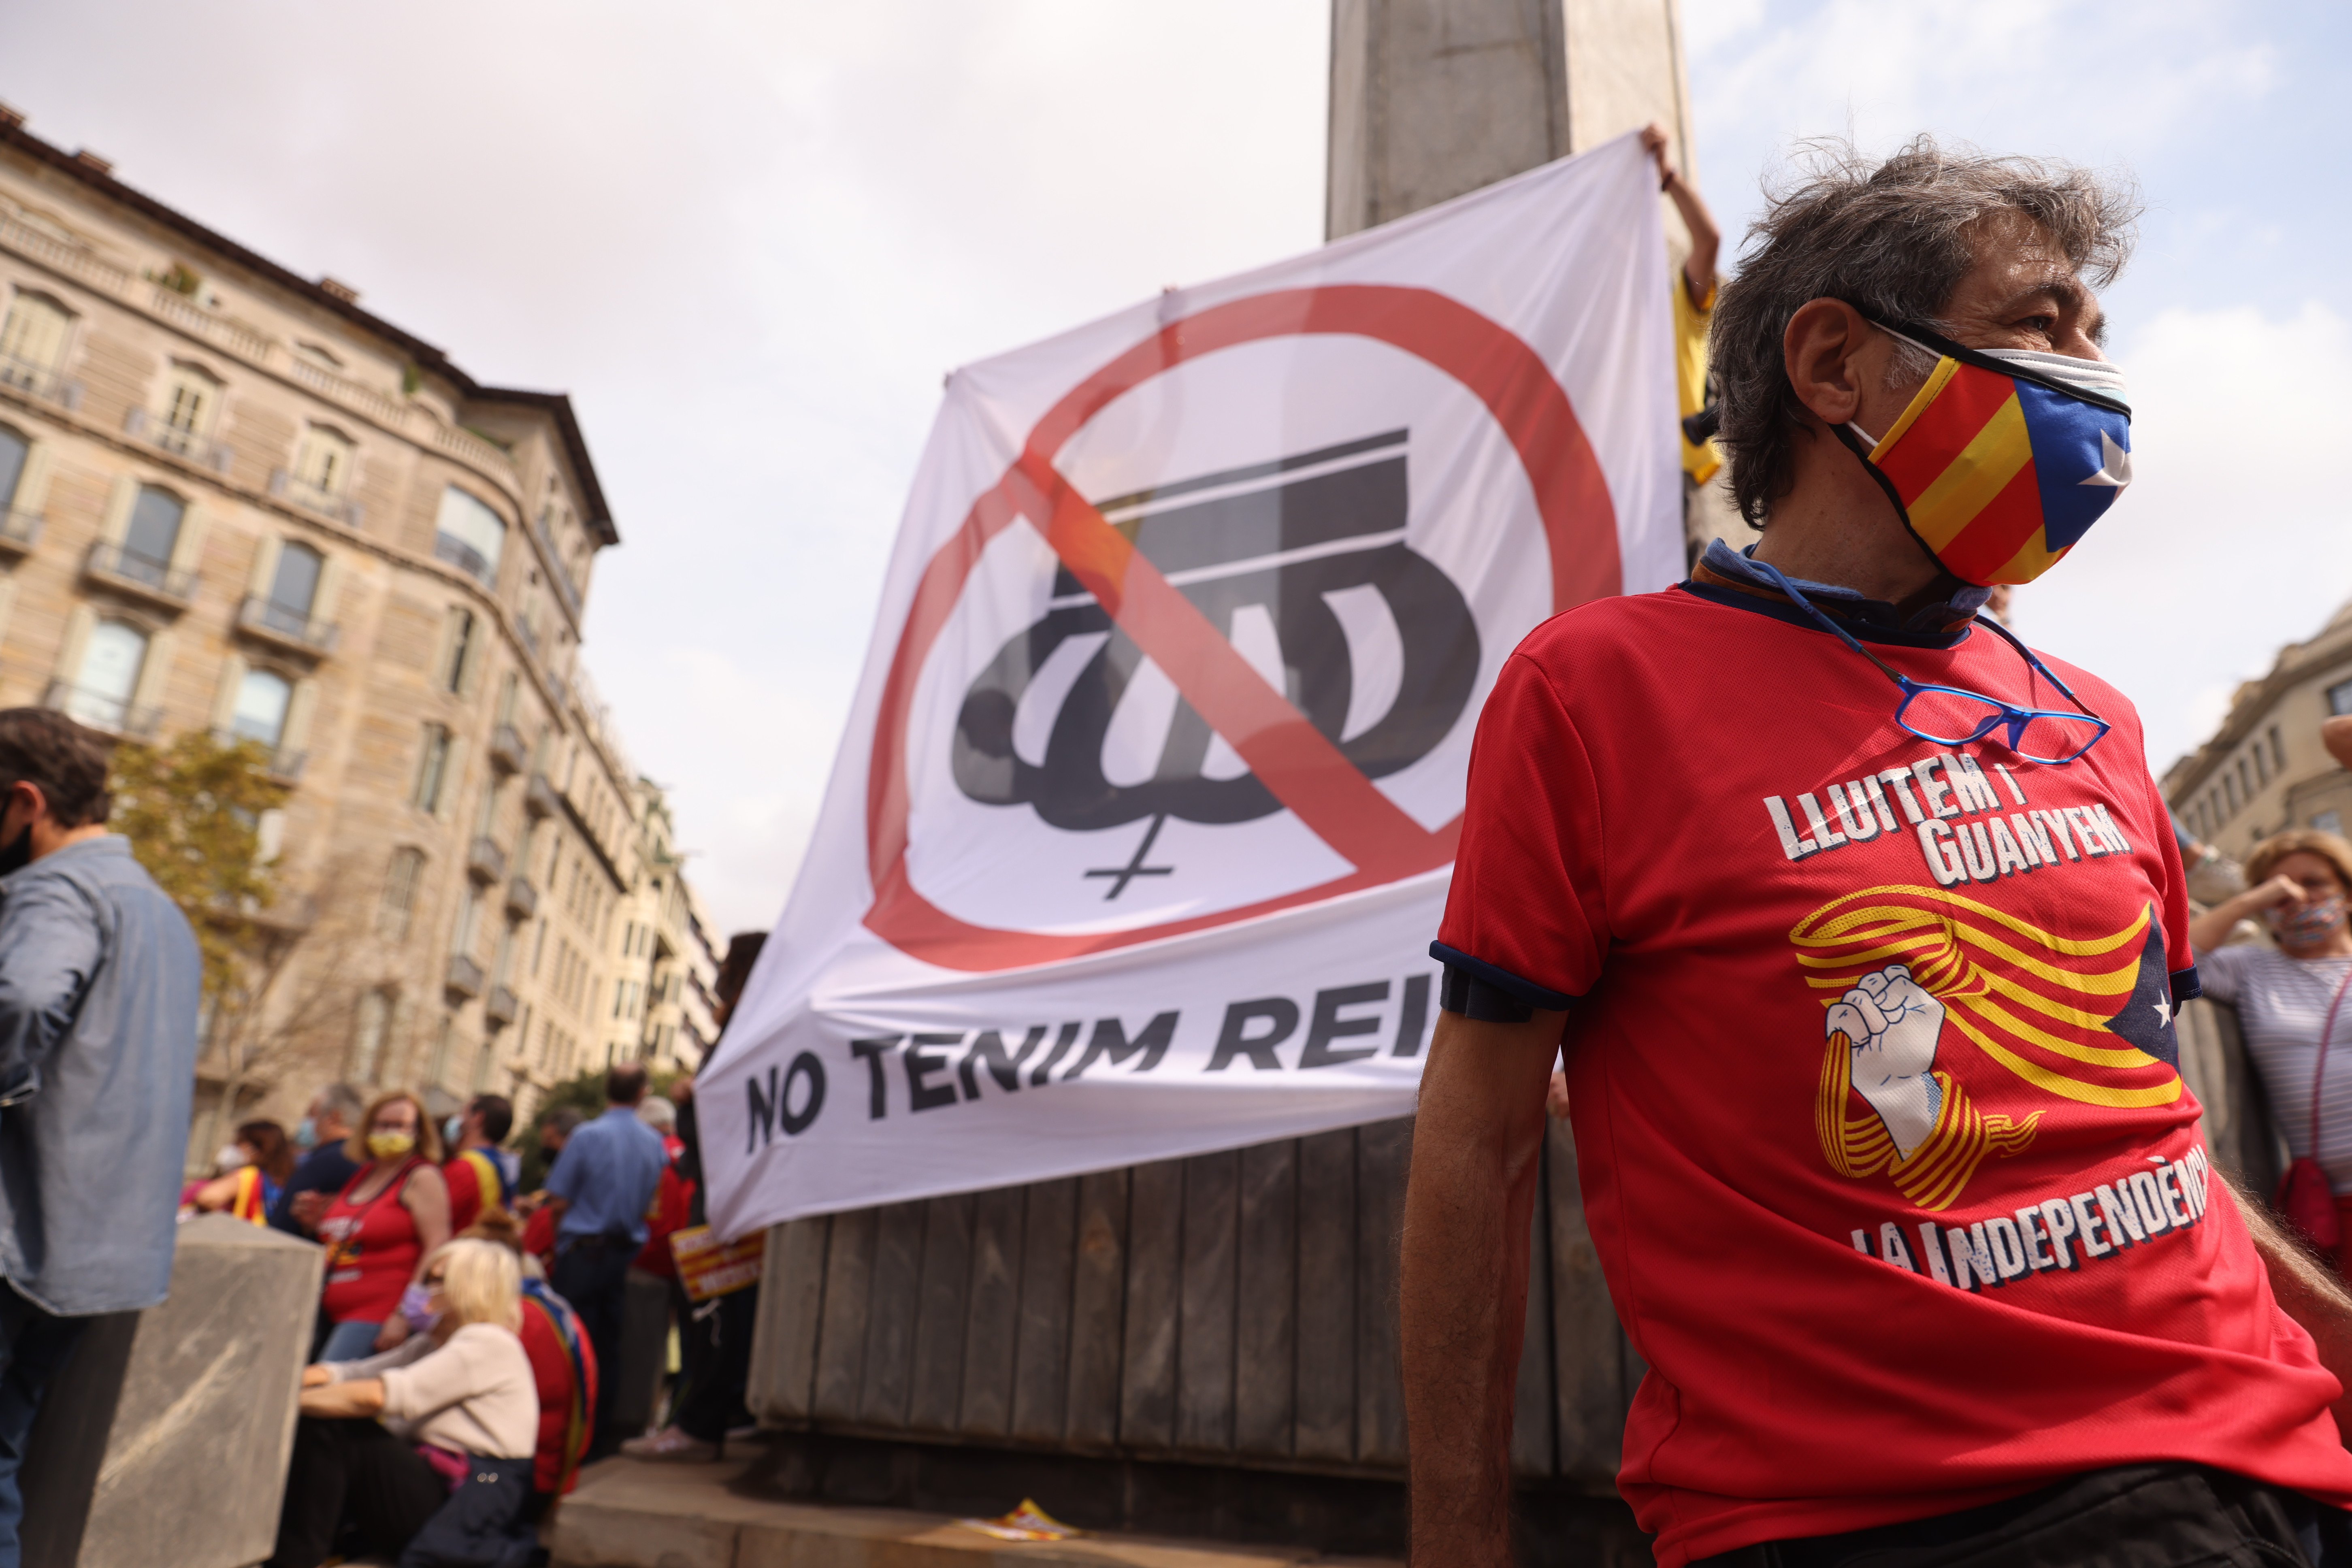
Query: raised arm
point(2212, 929)
point(1476, 1159)
point(1706, 240)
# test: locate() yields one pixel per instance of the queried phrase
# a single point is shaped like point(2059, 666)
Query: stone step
point(630, 1514)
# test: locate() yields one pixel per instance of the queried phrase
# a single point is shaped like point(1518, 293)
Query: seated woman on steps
point(425, 1452)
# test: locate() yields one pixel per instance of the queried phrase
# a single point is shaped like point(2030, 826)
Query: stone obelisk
point(1434, 97)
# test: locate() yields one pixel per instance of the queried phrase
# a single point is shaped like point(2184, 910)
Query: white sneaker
point(670, 1446)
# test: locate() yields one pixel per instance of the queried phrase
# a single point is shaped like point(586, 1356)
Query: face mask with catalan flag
point(2005, 458)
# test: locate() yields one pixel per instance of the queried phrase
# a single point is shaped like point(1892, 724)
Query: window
point(110, 664)
point(323, 461)
point(368, 1028)
point(510, 690)
point(431, 769)
point(2278, 751)
point(153, 535)
point(2339, 698)
point(2229, 792)
point(294, 588)
point(189, 401)
point(462, 631)
point(470, 925)
point(537, 947)
point(469, 535)
point(440, 1066)
point(261, 703)
point(33, 339)
point(399, 905)
point(13, 452)
point(2261, 766)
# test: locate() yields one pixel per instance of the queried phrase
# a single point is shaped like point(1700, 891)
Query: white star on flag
point(2164, 1012)
point(2114, 464)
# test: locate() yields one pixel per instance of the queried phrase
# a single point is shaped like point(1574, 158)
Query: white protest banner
point(1141, 826)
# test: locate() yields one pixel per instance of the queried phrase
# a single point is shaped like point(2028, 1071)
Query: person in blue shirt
point(99, 981)
point(599, 1189)
point(326, 1169)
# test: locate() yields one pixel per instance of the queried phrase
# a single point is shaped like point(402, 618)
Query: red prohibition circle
point(1494, 364)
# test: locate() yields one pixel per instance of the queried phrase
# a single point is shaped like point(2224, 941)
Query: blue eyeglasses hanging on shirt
point(1954, 716)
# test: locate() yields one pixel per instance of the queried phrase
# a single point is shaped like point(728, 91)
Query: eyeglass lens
point(1955, 718)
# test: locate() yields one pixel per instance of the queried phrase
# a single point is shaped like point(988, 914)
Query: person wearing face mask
point(1858, 927)
point(325, 1166)
point(2290, 1008)
point(381, 1226)
point(481, 1174)
point(424, 1453)
point(99, 981)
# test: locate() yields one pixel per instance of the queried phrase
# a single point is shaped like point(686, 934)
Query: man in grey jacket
point(99, 993)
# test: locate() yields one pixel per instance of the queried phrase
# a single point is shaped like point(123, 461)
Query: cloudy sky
point(750, 238)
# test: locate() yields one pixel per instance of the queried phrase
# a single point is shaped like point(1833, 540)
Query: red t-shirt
point(372, 1250)
point(1978, 1252)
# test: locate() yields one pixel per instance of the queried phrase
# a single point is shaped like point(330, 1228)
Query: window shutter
point(76, 643)
point(331, 583)
point(453, 773)
point(265, 565)
point(298, 708)
point(33, 483)
point(189, 548)
point(232, 681)
point(119, 502)
point(155, 675)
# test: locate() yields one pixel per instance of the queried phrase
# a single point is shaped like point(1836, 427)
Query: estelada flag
point(1144, 817)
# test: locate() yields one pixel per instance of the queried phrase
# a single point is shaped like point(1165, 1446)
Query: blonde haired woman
point(424, 1452)
point(2286, 997)
point(382, 1226)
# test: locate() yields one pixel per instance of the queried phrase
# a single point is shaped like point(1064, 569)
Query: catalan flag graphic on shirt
point(2009, 473)
point(2082, 1019)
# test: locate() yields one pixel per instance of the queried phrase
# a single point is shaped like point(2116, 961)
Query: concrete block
point(194, 1465)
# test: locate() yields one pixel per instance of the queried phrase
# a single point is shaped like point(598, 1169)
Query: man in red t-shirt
point(1864, 992)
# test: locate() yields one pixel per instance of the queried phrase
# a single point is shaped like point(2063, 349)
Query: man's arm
point(1475, 1156)
point(49, 947)
point(1706, 240)
point(2310, 1293)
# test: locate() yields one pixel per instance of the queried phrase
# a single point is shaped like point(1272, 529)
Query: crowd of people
point(466, 1355)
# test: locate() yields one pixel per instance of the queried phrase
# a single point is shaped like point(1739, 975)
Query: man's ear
point(1819, 352)
point(23, 804)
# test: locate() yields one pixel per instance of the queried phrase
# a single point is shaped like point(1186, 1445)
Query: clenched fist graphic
point(1893, 1025)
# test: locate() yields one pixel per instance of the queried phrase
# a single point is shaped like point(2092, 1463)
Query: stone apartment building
point(662, 1004)
point(231, 497)
point(2264, 769)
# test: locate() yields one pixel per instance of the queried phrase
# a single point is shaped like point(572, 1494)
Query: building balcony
point(126, 571)
point(166, 437)
point(465, 977)
point(310, 497)
point(499, 1008)
point(539, 796)
point(19, 531)
point(507, 751)
point(456, 552)
point(485, 861)
point(100, 710)
point(282, 765)
point(523, 898)
point(38, 381)
point(281, 626)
